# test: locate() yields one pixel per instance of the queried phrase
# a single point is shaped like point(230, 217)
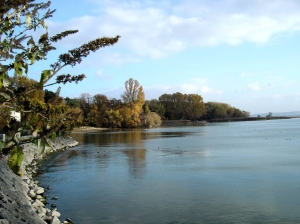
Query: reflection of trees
point(122, 137)
point(64, 157)
point(130, 141)
point(110, 138)
point(136, 162)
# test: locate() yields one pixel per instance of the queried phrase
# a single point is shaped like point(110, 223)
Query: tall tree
point(195, 108)
point(134, 98)
point(130, 94)
point(85, 103)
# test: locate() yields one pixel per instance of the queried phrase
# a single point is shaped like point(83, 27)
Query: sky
point(244, 53)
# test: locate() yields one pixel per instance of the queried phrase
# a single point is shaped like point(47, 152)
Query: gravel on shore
point(22, 200)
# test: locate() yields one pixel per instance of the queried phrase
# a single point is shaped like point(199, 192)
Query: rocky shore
point(22, 200)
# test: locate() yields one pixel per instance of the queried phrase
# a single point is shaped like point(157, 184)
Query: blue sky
point(244, 53)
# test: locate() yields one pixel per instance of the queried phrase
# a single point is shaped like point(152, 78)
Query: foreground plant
point(18, 50)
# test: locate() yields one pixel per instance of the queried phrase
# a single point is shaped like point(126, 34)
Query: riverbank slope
point(21, 199)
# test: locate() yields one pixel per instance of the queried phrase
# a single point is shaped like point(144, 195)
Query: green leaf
point(43, 24)
point(42, 145)
point(19, 57)
point(5, 95)
point(4, 79)
point(15, 160)
point(17, 137)
point(44, 76)
point(31, 58)
point(25, 66)
point(18, 67)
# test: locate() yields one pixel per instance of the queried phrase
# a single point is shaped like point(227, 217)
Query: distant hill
point(286, 114)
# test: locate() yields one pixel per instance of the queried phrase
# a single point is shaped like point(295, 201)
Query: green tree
point(223, 110)
point(157, 107)
point(73, 103)
point(194, 106)
point(182, 106)
point(102, 104)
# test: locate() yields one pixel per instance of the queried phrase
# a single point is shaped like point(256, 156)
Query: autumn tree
point(152, 119)
point(133, 98)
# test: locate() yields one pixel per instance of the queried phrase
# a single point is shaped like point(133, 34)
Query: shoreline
point(22, 199)
point(88, 129)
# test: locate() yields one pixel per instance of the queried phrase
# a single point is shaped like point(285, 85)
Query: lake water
point(239, 172)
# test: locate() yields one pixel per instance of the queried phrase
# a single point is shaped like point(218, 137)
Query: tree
point(182, 106)
point(130, 94)
point(157, 107)
point(134, 99)
point(146, 109)
point(19, 48)
point(152, 119)
point(85, 104)
point(194, 108)
point(73, 103)
point(223, 110)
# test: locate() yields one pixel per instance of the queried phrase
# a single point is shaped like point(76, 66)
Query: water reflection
point(132, 144)
point(226, 173)
point(125, 137)
point(136, 162)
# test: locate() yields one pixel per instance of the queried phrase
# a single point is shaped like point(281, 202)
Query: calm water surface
point(240, 172)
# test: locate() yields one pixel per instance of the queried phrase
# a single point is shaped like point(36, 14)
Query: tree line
point(132, 110)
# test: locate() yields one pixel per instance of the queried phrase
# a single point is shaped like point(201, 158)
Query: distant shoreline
point(248, 119)
point(87, 129)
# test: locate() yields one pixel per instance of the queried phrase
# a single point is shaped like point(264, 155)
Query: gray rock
point(55, 213)
point(37, 203)
point(55, 220)
point(32, 194)
point(39, 190)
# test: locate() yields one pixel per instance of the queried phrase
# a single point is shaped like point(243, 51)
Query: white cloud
point(99, 74)
point(157, 29)
point(277, 96)
point(254, 86)
point(194, 86)
point(209, 90)
point(247, 74)
point(289, 84)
